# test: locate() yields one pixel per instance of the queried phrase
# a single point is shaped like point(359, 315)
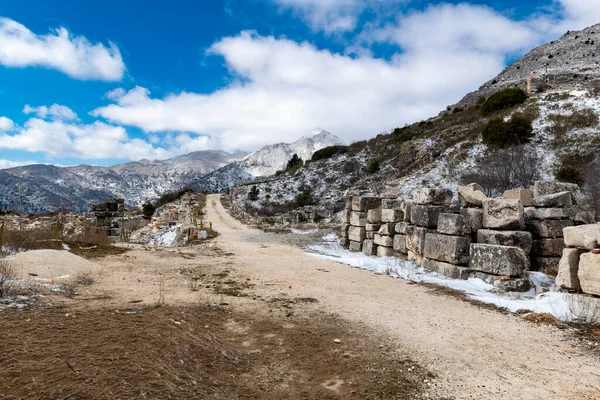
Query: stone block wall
point(109, 215)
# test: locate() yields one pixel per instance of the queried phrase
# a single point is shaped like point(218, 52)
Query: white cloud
point(60, 50)
point(328, 15)
point(6, 124)
point(12, 164)
point(55, 111)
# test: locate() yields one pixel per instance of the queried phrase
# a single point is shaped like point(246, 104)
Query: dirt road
point(476, 353)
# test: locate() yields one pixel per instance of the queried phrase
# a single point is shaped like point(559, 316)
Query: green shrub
point(503, 99)
point(295, 160)
point(171, 197)
point(499, 134)
point(329, 152)
point(373, 167)
point(570, 174)
point(148, 210)
point(253, 193)
point(304, 198)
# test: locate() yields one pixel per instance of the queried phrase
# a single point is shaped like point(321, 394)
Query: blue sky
point(109, 81)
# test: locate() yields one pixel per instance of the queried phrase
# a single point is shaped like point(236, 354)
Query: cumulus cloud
point(4, 164)
point(74, 55)
point(327, 15)
point(6, 124)
point(55, 111)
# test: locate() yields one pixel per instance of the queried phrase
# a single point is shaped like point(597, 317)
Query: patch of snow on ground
point(304, 232)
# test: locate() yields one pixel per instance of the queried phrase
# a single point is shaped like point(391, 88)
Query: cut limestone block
point(402, 256)
point(548, 228)
point(567, 270)
point(345, 242)
point(548, 247)
point(400, 244)
point(473, 218)
point(355, 247)
point(392, 215)
point(547, 265)
point(580, 215)
point(401, 227)
point(453, 224)
point(546, 213)
point(498, 260)
point(525, 195)
point(387, 230)
point(562, 199)
point(358, 218)
point(349, 203)
point(374, 216)
point(390, 204)
point(432, 196)
point(520, 239)
point(544, 188)
point(385, 251)
point(417, 258)
point(503, 214)
point(371, 235)
point(365, 203)
point(583, 307)
point(415, 239)
point(386, 241)
point(369, 248)
point(406, 208)
point(471, 197)
point(344, 230)
point(346, 217)
point(426, 216)
point(357, 234)
point(504, 283)
point(450, 249)
point(583, 237)
point(589, 273)
point(449, 270)
point(372, 227)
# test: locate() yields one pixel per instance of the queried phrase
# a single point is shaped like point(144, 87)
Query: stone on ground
point(449, 270)
point(369, 248)
point(498, 260)
point(589, 273)
point(355, 247)
point(385, 251)
point(568, 268)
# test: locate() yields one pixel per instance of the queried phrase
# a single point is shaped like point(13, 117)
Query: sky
point(106, 81)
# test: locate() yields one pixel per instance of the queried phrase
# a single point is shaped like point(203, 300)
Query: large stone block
point(372, 227)
point(453, 224)
point(365, 203)
point(401, 227)
point(589, 273)
point(392, 215)
point(358, 218)
point(548, 228)
point(417, 258)
point(544, 188)
point(390, 204)
point(449, 270)
point(355, 247)
point(386, 241)
point(583, 236)
point(385, 251)
point(499, 260)
point(346, 216)
point(371, 235)
point(562, 199)
point(349, 203)
point(344, 230)
point(387, 230)
point(369, 248)
point(521, 239)
point(374, 216)
point(400, 244)
point(504, 283)
point(345, 242)
point(432, 196)
point(473, 218)
point(406, 208)
point(357, 233)
point(415, 239)
point(426, 216)
point(525, 195)
point(547, 265)
point(548, 247)
point(470, 196)
point(568, 268)
point(503, 214)
point(546, 213)
point(450, 249)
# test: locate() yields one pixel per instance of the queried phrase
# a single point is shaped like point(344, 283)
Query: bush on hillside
point(253, 194)
point(503, 99)
point(148, 210)
point(294, 161)
point(328, 152)
point(570, 174)
point(500, 134)
point(171, 197)
point(373, 167)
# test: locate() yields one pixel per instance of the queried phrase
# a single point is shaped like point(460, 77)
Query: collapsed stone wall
point(109, 216)
point(496, 239)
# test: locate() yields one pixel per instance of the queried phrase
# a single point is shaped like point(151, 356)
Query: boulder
point(365, 203)
point(453, 224)
point(548, 228)
point(385, 241)
point(355, 247)
point(432, 196)
point(415, 239)
point(562, 199)
point(525, 195)
point(390, 204)
point(547, 265)
point(374, 216)
point(401, 227)
point(426, 216)
point(392, 215)
point(548, 247)
point(546, 213)
point(449, 270)
point(521, 239)
point(471, 197)
point(400, 244)
point(357, 234)
point(583, 236)
point(589, 273)
point(385, 251)
point(503, 214)
point(473, 218)
point(568, 268)
point(499, 260)
point(358, 218)
point(544, 188)
point(450, 249)
point(387, 230)
point(369, 248)
point(372, 227)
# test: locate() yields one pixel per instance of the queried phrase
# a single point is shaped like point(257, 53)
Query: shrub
point(171, 197)
point(253, 194)
point(328, 152)
point(304, 198)
point(498, 134)
point(148, 210)
point(503, 99)
point(373, 167)
point(570, 174)
point(295, 160)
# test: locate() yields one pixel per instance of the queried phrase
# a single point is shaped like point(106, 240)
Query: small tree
point(373, 166)
point(148, 210)
point(503, 99)
point(570, 174)
point(295, 160)
point(499, 134)
point(253, 194)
